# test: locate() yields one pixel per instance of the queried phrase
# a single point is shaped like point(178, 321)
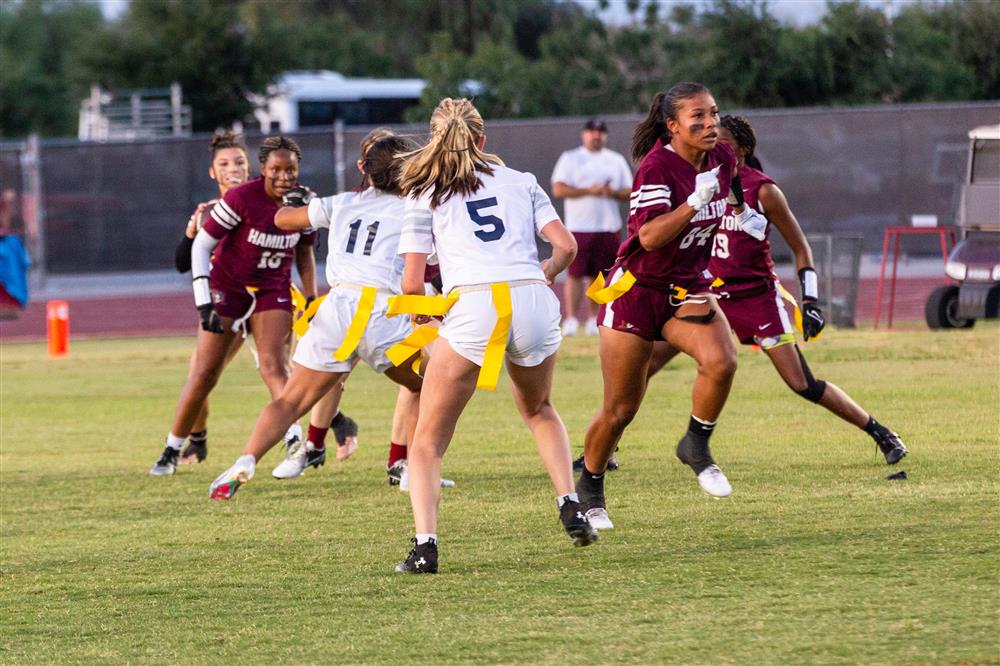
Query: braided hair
point(746, 138)
point(273, 143)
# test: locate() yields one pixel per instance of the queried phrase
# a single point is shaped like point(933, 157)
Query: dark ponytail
point(663, 108)
point(746, 138)
point(382, 164)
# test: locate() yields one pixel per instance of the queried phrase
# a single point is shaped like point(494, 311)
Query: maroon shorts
point(235, 303)
point(596, 252)
point(641, 310)
point(760, 318)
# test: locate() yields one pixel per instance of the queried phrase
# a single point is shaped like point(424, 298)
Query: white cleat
point(598, 519)
point(591, 327)
point(404, 482)
point(300, 456)
point(570, 327)
point(714, 482)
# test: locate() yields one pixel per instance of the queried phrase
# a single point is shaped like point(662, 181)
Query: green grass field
point(816, 558)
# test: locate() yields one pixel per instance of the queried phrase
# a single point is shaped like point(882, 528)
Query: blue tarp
point(14, 264)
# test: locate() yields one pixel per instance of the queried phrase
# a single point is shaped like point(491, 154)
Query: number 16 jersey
point(364, 236)
point(484, 237)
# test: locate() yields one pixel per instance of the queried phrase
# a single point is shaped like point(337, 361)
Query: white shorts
point(329, 328)
point(534, 324)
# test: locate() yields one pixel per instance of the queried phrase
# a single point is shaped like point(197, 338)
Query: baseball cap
point(596, 124)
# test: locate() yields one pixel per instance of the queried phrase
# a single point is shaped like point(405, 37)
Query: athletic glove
point(812, 317)
point(812, 320)
point(297, 197)
point(706, 185)
point(210, 320)
point(752, 223)
point(735, 198)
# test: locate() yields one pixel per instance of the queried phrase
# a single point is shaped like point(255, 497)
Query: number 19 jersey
point(364, 236)
point(484, 237)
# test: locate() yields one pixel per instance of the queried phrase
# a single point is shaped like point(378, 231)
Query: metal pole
point(338, 155)
point(33, 209)
point(175, 108)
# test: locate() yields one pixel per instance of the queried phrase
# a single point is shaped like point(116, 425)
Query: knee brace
point(815, 388)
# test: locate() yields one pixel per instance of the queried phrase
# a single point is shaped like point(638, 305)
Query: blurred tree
point(41, 82)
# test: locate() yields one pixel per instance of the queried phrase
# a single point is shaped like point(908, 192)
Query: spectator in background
point(14, 261)
point(594, 181)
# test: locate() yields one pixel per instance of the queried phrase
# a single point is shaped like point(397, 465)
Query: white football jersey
point(484, 237)
point(364, 236)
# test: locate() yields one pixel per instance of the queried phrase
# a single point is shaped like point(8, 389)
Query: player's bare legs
point(792, 368)
point(711, 346)
point(303, 390)
point(624, 357)
point(572, 292)
point(532, 389)
point(271, 332)
point(449, 383)
point(398, 440)
point(663, 353)
point(212, 353)
point(197, 448)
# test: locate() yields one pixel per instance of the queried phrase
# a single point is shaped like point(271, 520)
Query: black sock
point(590, 485)
point(702, 428)
point(873, 427)
point(337, 420)
point(198, 437)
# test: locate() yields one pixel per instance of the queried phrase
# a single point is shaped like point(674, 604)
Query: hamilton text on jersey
point(272, 241)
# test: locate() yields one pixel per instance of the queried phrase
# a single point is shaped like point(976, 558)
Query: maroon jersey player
point(678, 201)
point(229, 167)
point(245, 287)
point(752, 302)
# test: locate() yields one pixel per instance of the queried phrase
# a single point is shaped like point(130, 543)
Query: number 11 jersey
point(484, 237)
point(364, 237)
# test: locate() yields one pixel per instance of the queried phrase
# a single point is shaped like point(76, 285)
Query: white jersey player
point(363, 269)
point(482, 219)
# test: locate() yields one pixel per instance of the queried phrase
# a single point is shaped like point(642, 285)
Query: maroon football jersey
point(737, 257)
point(663, 182)
point(251, 250)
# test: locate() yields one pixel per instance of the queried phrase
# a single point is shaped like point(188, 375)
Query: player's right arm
point(653, 204)
point(223, 219)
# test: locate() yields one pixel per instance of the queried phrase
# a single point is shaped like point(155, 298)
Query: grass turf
point(815, 559)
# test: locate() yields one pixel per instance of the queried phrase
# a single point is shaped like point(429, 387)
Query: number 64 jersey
point(364, 237)
point(484, 237)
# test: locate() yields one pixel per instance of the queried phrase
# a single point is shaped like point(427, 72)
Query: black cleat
point(167, 463)
point(423, 559)
point(578, 464)
point(194, 453)
point(891, 445)
point(394, 474)
point(577, 526)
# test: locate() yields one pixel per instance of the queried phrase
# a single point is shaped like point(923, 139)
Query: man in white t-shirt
point(593, 181)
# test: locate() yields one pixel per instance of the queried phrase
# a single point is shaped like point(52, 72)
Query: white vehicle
point(311, 99)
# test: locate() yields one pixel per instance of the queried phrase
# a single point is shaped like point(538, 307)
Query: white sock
point(294, 431)
point(425, 537)
point(562, 499)
point(175, 442)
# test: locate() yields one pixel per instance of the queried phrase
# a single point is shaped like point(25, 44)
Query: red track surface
point(174, 314)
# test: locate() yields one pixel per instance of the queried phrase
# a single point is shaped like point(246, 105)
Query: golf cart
point(974, 263)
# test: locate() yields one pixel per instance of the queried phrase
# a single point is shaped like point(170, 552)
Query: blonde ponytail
point(450, 163)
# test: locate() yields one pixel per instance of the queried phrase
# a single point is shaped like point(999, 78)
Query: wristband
point(202, 292)
point(809, 284)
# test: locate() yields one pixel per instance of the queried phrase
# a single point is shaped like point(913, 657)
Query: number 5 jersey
point(484, 237)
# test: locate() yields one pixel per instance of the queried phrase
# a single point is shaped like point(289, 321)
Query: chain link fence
point(102, 207)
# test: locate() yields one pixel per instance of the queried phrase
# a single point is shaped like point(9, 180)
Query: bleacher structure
point(130, 115)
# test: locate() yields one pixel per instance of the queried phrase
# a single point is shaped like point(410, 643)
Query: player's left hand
point(752, 223)
point(812, 320)
point(297, 197)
